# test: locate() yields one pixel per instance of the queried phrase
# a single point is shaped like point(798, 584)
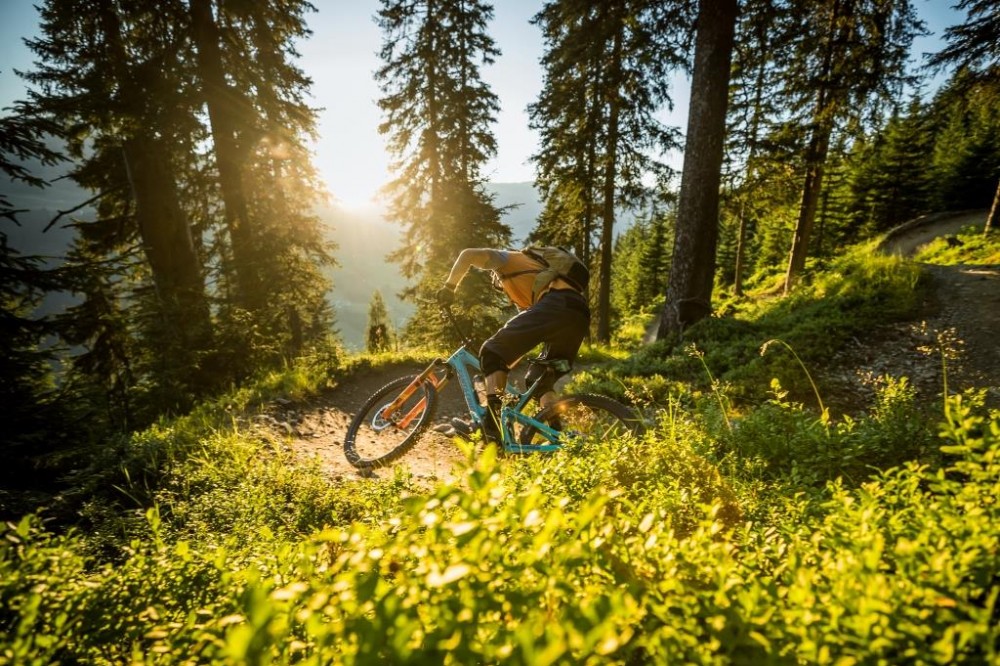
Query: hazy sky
point(341, 57)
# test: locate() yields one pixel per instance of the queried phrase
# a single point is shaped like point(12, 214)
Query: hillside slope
point(957, 324)
point(958, 319)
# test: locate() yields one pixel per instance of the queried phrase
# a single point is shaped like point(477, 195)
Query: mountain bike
point(394, 418)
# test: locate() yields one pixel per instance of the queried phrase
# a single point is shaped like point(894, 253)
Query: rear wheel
point(378, 436)
point(585, 416)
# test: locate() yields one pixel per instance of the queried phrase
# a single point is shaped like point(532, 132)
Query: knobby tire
point(587, 415)
point(366, 446)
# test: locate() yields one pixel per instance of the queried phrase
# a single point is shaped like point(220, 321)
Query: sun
point(355, 175)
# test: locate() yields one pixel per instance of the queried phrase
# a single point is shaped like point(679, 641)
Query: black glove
point(446, 295)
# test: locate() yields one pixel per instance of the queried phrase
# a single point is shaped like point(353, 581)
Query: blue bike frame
point(463, 364)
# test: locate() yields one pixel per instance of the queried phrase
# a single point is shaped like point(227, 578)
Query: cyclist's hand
point(446, 295)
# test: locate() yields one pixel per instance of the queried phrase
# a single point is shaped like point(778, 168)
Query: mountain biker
point(556, 314)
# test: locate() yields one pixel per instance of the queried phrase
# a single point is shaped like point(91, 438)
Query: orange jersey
point(517, 277)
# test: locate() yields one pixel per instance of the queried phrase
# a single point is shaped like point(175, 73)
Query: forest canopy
point(198, 259)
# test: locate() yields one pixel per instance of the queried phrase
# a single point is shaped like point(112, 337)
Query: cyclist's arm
point(483, 258)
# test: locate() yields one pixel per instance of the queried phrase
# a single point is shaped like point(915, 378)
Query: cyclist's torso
point(516, 272)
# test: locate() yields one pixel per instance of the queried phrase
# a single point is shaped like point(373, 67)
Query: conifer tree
point(437, 115)
point(379, 334)
point(966, 155)
point(607, 69)
point(641, 264)
point(974, 47)
point(34, 417)
point(844, 59)
point(890, 176)
point(109, 78)
point(123, 84)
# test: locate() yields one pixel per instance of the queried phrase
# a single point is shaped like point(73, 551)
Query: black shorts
point(560, 320)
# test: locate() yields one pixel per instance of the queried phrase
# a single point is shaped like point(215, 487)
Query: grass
point(968, 246)
point(743, 527)
point(858, 292)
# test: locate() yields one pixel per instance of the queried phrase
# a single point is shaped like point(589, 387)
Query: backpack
point(557, 262)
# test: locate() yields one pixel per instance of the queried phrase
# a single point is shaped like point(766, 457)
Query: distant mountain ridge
point(366, 238)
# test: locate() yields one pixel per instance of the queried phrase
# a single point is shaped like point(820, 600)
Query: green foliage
point(781, 440)
point(641, 264)
point(891, 180)
point(968, 246)
point(638, 550)
point(857, 292)
point(379, 334)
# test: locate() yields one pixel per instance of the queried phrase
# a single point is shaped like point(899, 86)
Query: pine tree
point(123, 84)
point(379, 334)
point(34, 416)
point(974, 47)
point(109, 81)
point(966, 155)
point(845, 58)
point(641, 263)
point(889, 177)
point(607, 71)
point(437, 114)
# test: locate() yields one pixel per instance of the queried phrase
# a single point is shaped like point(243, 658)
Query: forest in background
point(204, 262)
point(156, 511)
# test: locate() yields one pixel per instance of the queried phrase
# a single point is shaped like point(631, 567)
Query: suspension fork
point(429, 375)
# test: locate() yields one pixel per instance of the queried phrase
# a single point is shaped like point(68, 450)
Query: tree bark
point(827, 103)
point(223, 105)
point(991, 219)
point(167, 242)
point(692, 270)
point(608, 222)
point(815, 163)
point(741, 241)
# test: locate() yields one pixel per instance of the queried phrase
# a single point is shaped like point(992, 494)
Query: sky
point(341, 57)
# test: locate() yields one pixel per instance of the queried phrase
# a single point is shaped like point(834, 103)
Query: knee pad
point(490, 362)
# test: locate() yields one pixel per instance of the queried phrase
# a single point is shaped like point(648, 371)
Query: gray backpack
point(557, 262)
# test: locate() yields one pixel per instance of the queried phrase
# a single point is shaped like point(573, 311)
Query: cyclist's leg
point(518, 336)
point(560, 320)
point(563, 340)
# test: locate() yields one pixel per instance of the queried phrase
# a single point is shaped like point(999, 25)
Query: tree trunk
point(740, 251)
point(816, 153)
point(167, 243)
point(815, 161)
point(613, 86)
point(991, 219)
point(163, 226)
point(224, 108)
point(692, 270)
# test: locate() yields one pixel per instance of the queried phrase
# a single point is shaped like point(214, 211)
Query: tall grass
point(733, 531)
point(669, 548)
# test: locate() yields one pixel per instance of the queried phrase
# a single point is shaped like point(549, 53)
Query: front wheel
point(388, 425)
point(586, 416)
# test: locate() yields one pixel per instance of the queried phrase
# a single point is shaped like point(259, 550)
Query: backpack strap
point(530, 271)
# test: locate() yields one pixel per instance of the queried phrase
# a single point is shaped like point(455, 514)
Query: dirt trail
point(962, 309)
point(315, 430)
point(960, 314)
